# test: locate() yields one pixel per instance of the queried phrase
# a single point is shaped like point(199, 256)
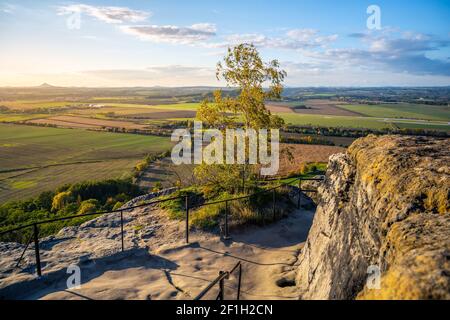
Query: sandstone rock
point(385, 203)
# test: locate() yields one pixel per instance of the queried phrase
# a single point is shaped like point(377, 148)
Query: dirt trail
point(159, 265)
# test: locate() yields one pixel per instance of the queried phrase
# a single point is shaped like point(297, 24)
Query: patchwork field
point(34, 159)
point(168, 174)
point(136, 112)
point(303, 153)
point(337, 141)
point(82, 122)
point(334, 121)
point(176, 106)
point(34, 104)
point(361, 122)
point(313, 106)
point(406, 111)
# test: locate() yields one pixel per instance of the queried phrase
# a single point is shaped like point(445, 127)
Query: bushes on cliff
point(75, 199)
point(255, 209)
point(309, 169)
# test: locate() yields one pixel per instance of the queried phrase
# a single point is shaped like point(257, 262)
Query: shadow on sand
point(56, 280)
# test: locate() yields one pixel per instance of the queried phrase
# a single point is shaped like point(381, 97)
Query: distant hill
point(46, 85)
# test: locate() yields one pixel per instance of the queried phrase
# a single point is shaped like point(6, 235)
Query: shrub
point(207, 217)
point(88, 206)
point(176, 208)
point(61, 200)
point(254, 210)
point(303, 168)
point(313, 167)
point(67, 200)
point(118, 205)
point(243, 212)
point(157, 186)
point(141, 166)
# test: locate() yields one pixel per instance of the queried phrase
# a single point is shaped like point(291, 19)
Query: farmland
point(83, 122)
point(322, 115)
point(361, 122)
point(34, 159)
point(167, 173)
point(305, 154)
point(406, 111)
point(45, 153)
point(137, 107)
point(315, 106)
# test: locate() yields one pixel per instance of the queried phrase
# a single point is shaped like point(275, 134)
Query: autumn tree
point(256, 81)
point(243, 68)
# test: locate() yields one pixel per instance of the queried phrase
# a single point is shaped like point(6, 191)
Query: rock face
point(384, 206)
point(148, 197)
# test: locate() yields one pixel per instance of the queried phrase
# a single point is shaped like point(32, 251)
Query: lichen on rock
point(384, 203)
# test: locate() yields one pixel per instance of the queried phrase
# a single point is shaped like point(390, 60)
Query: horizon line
point(49, 86)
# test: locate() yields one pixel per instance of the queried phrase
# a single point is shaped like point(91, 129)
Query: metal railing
point(35, 225)
point(227, 201)
point(223, 275)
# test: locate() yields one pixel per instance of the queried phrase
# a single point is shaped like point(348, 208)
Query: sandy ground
point(158, 264)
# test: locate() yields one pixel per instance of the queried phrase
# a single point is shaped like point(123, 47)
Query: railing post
point(186, 202)
point(239, 282)
point(299, 193)
point(221, 287)
point(36, 250)
point(273, 203)
point(121, 227)
point(227, 233)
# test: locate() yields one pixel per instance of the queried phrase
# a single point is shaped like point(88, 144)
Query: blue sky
point(178, 43)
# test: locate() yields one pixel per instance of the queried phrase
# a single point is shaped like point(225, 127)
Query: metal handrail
point(223, 275)
point(87, 215)
point(155, 202)
point(253, 194)
point(35, 225)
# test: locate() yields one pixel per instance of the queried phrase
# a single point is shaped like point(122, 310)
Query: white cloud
point(293, 39)
point(206, 27)
point(404, 53)
point(382, 58)
point(8, 8)
point(114, 15)
point(195, 33)
point(164, 75)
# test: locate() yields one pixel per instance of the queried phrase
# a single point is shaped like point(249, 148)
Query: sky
point(178, 43)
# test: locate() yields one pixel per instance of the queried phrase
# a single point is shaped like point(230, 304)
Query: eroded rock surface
point(385, 204)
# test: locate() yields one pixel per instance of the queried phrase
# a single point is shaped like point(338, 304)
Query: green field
point(175, 106)
point(19, 117)
point(333, 121)
point(359, 122)
point(406, 111)
point(34, 159)
point(31, 104)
